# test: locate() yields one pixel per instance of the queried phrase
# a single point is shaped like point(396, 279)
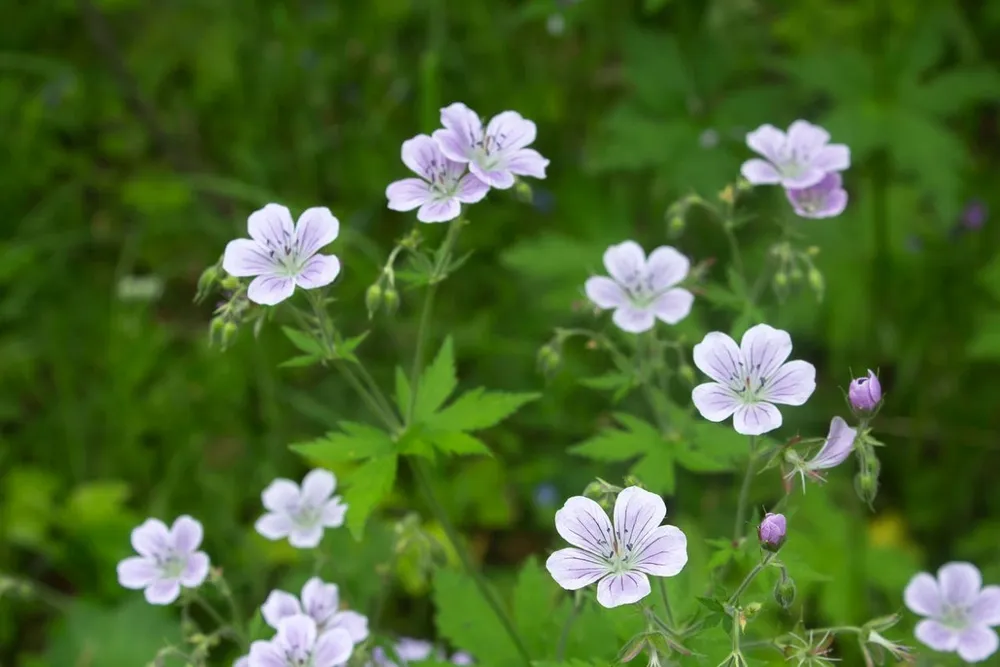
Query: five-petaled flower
point(750, 379)
point(798, 159)
point(836, 448)
point(496, 154)
point(443, 185)
point(620, 555)
point(299, 644)
point(642, 290)
point(282, 254)
point(825, 199)
point(321, 602)
point(301, 514)
point(168, 559)
point(960, 611)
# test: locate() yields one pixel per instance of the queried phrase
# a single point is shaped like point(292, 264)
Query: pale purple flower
point(750, 379)
point(865, 393)
point(495, 155)
point(836, 448)
point(301, 514)
point(282, 254)
point(462, 658)
point(617, 556)
point(299, 644)
point(771, 531)
point(959, 611)
point(798, 159)
point(443, 185)
point(415, 650)
point(168, 559)
point(320, 601)
point(242, 661)
point(826, 199)
point(642, 290)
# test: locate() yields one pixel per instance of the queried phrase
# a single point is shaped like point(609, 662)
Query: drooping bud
point(784, 590)
point(686, 373)
point(548, 359)
point(373, 299)
point(866, 484)
point(816, 282)
point(391, 300)
point(207, 282)
point(865, 393)
point(771, 531)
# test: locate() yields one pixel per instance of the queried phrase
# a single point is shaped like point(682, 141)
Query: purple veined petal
point(764, 350)
point(791, 384)
point(574, 568)
point(673, 305)
point(471, 189)
point(195, 570)
point(407, 194)
point(718, 357)
point(272, 226)
point(756, 418)
point(922, 595)
point(463, 130)
point(266, 654)
point(937, 636)
point(977, 643)
point(986, 609)
point(760, 172)
point(332, 648)
point(501, 179)
point(279, 605)
point(244, 258)
point(637, 513)
point(715, 402)
point(838, 446)
point(632, 319)
point(527, 162)
point(826, 199)
point(270, 290)
point(318, 271)
point(186, 534)
point(615, 590)
point(454, 145)
point(297, 636)
point(305, 537)
point(280, 495)
point(511, 131)
point(151, 538)
point(833, 158)
point(320, 600)
point(663, 553)
point(960, 583)
point(604, 292)
point(274, 525)
point(806, 177)
point(317, 487)
point(583, 523)
point(767, 140)
point(806, 138)
point(163, 591)
point(317, 227)
point(333, 513)
point(625, 262)
point(422, 155)
point(137, 572)
point(439, 210)
point(666, 267)
point(356, 624)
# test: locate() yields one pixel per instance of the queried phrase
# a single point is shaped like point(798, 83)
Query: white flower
point(298, 644)
point(168, 559)
point(301, 515)
point(321, 602)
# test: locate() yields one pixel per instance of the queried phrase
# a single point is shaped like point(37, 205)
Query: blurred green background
point(139, 136)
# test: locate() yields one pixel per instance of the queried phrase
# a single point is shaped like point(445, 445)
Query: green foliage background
point(138, 136)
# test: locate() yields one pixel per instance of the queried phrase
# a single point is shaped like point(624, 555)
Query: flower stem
point(666, 601)
point(747, 580)
point(564, 635)
point(741, 506)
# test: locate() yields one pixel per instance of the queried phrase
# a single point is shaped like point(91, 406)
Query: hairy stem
point(666, 601)
point(741, 506)
point(747, 580)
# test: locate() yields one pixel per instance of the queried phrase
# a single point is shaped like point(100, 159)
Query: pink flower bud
point(865, 393)
point(771, 531)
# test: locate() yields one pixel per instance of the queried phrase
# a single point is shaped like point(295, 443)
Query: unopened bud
point(230, 282)
point(865, 393)
point(675, 226)
point(812, 250)
point(781, 279)
point(522, 190)
point(743, 185)
point(206, 282)
point(816, 280)
point(795, 275)
point(866, 485)
point(771, 531)
point(727, 195)
point(548, 359)
point(373, 299)
point(391, 300)
point(686, 373)
point(784, 591)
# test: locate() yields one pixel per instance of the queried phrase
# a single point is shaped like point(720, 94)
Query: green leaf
point(955, 90)
point(535, 595)
point(345, 349)
point(985, 343)
point(639, 439)
point(478, 409)
point(304, 342)
point(300, 361)
point(436, 383)
point(608, 381)
point(403, 392)
point(456, 442)
point(468, 622)
point(354, 443)
point(368, 485)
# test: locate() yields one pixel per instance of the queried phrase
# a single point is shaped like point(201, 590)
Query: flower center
point(954, 617)
point(442, 183)
point(488, 151)
point(284, 254)
point(306, 516)
point(171, 565)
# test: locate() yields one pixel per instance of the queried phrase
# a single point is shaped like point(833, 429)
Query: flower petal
point(960, 583)
point(413, 649)
point(511, 131)
point(718, 357)
point(663, 553)
point(604, 292)
point(673, 305)
point(767, 140)
point(333, 513)
point(186, 534)
point(272, 226)
point(838, 446)
point(759, 172)
point(440, 210)
point(195, 570)
point(471, 189)
point(637, 513)
point(407, 194)
point(297, 635)
point(922, 595)
point(756, 418)
point(463, 130)
point(265, 654)
point(270, 290)
point(320, 600)
point(280, 495)
point(633, 320)
point(305, 537)
point(319, 271)
point(527, 162)
point(764, 350)
point(937, 636)
point(715, 402)
point(806, 138)
point(355, 624)
point(151, 538)
point(163, 591)
point(575, 568)
point(422, 155)
point(666, 267)
point(806, 176)
point(316, 228)
point(332, 648)
point(279, 605)
point(977, 643)
point(583, 523)
point(317, 487)
point(986, 609)
point(244, 257)
point(137, 572)
point(835, 157)
point(625, 262)
point(615, 590)
point(501, 179)
point(242, 661)
point(274, 526)
point(792, 384)
point(462, 658)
